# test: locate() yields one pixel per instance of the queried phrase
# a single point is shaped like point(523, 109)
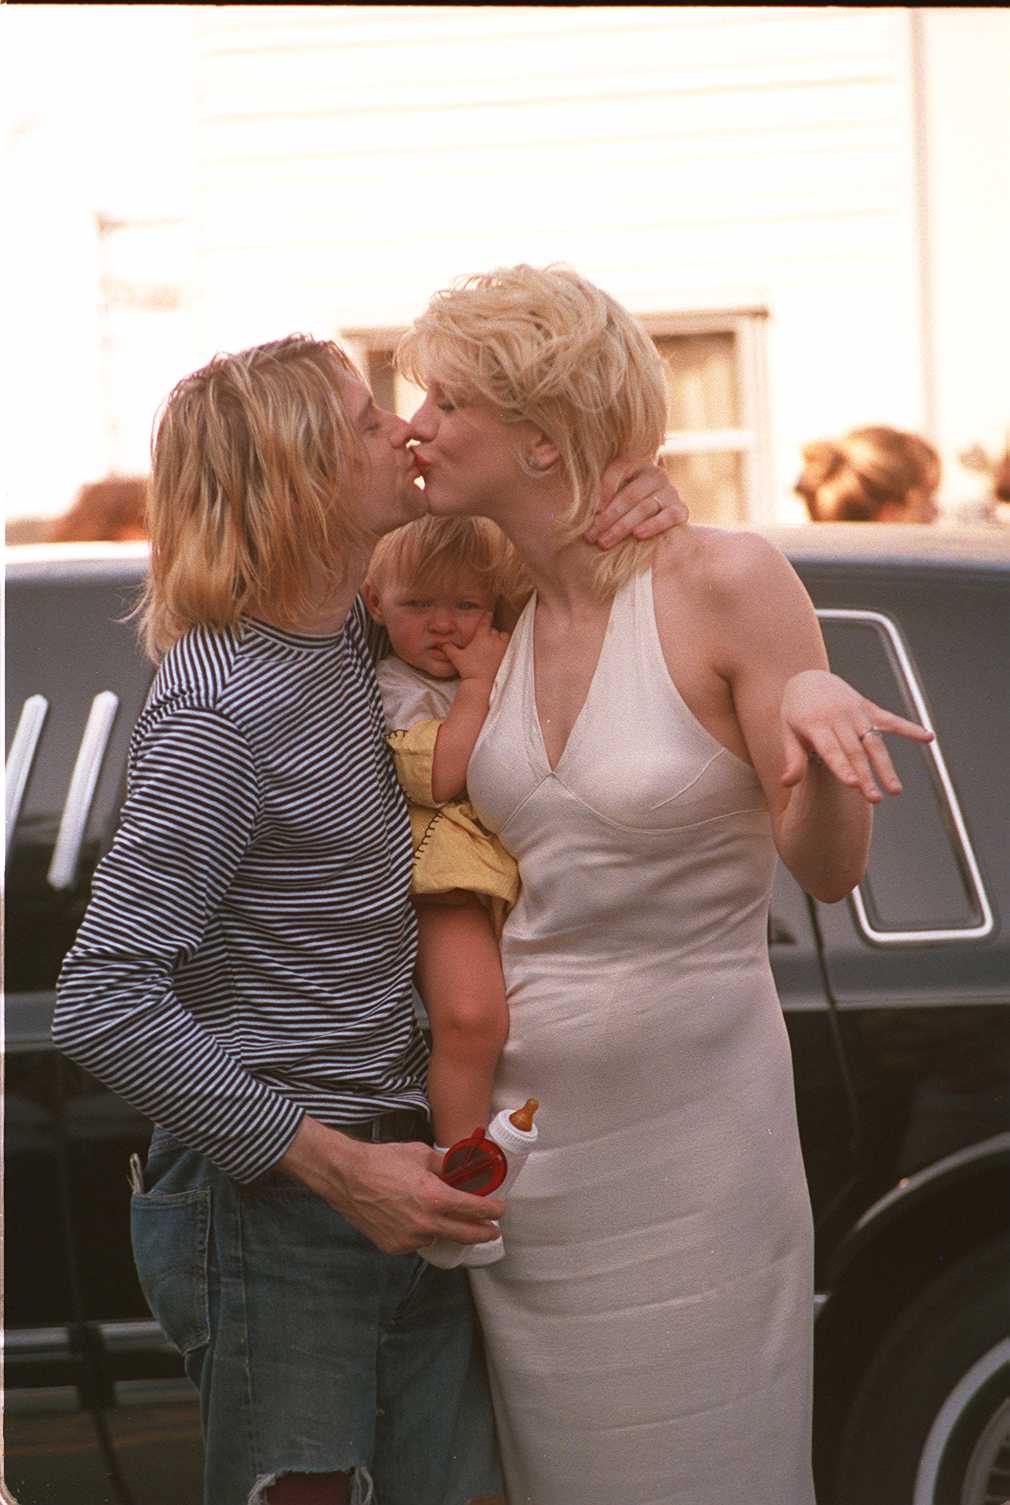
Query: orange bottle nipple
point(522, 1118)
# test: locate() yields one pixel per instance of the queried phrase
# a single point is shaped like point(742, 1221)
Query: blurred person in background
point(994, 506)
point(1001, 479)
point(872, 475)
point(111, 509)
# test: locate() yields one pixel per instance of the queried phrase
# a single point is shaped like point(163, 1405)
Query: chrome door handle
point(81, 794)
point(20, 759)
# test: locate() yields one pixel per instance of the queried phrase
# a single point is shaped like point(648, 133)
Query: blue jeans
point(312, 1350)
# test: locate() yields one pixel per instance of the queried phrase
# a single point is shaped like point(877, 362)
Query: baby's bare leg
point(459, 976)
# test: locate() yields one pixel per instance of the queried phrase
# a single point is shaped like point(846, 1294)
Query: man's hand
point(390, 1192)
point(482, 656)
point(637, 501)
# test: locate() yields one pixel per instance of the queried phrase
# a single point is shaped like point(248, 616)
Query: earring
point(534, 463)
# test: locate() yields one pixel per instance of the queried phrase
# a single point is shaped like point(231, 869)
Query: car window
point(923, 879)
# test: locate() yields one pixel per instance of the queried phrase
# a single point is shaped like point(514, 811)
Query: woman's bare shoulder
point(737, 593)
point(720, 560)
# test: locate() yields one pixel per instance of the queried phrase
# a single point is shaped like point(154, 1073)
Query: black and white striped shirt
point(248, 950)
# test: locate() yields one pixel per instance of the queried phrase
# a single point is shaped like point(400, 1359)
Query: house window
point(716, 443)
point(374, 350)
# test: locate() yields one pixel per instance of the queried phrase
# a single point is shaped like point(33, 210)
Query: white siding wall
point(965, 62)
point(356, 158)
point(96, 114)
point(846, 169)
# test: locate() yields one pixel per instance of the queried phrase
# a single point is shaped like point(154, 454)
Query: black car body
point(897, 1002)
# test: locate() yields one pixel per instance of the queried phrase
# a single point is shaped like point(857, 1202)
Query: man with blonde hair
point(243, 973)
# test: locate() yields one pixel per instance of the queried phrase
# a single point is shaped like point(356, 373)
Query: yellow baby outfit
point(451, 847)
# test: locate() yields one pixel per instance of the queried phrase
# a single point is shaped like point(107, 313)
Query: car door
point(918, 960)
point(95, 1408)
point(823, 1096)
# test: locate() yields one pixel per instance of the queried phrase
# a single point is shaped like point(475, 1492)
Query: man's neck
point(329, 609)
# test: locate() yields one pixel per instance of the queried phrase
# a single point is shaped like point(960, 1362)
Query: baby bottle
point(489, 1161)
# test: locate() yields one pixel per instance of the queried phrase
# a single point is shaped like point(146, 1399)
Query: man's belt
point(400, 1125)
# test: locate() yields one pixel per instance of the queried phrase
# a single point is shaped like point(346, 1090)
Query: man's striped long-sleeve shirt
point(248, 950)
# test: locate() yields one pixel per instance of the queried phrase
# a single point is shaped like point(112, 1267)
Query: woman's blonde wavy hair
point(431, 553)
point(253, 464)
point(852, 479)
point(547, 346)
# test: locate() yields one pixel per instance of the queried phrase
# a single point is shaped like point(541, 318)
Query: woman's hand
point(637, 501)
point(824, 717)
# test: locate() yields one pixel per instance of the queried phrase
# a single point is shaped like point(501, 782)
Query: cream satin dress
point(649, 1330)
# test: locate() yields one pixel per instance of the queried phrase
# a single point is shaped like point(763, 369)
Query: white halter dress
point(649, 1330)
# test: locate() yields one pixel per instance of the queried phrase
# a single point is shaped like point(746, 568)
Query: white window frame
point(360, 343)
point(752, 439)
point(908, 677)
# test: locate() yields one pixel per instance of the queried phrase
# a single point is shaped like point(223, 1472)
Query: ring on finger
point(871, 731)
point(659, 505)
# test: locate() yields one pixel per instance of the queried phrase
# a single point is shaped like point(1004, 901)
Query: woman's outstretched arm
point(816, 743)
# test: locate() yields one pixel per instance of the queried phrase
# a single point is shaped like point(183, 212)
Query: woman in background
point(872, 475)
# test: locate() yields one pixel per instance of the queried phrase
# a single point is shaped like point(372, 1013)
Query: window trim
point(751, 439)
point(20, 759)
point(933, 750)
point(62, 873)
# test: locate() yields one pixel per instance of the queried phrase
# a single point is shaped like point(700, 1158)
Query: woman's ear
point(373, 601)
point(541, 453)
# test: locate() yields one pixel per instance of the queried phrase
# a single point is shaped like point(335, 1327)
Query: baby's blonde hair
point(852, 479)
point(545, 345)
point(254, 467)
point(433, 552)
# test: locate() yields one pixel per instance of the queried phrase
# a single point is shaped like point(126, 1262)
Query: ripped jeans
point(312, 1350)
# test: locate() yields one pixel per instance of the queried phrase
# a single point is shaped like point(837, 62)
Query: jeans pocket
point(171, 1235)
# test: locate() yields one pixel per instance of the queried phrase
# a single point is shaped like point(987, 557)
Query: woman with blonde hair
point(663, 726)
point(243, 972)
point(876, 474)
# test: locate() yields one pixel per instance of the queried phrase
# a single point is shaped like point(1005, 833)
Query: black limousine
point(897, 1002)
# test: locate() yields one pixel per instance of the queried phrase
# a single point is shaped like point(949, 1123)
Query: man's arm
point(187, 822)
point(185, 826)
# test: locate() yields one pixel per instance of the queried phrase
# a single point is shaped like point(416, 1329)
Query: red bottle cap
point(476, 1165)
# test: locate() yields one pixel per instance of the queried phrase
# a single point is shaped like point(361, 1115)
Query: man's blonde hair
point(433, 552)
point(254, 463)
point(547, 346)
